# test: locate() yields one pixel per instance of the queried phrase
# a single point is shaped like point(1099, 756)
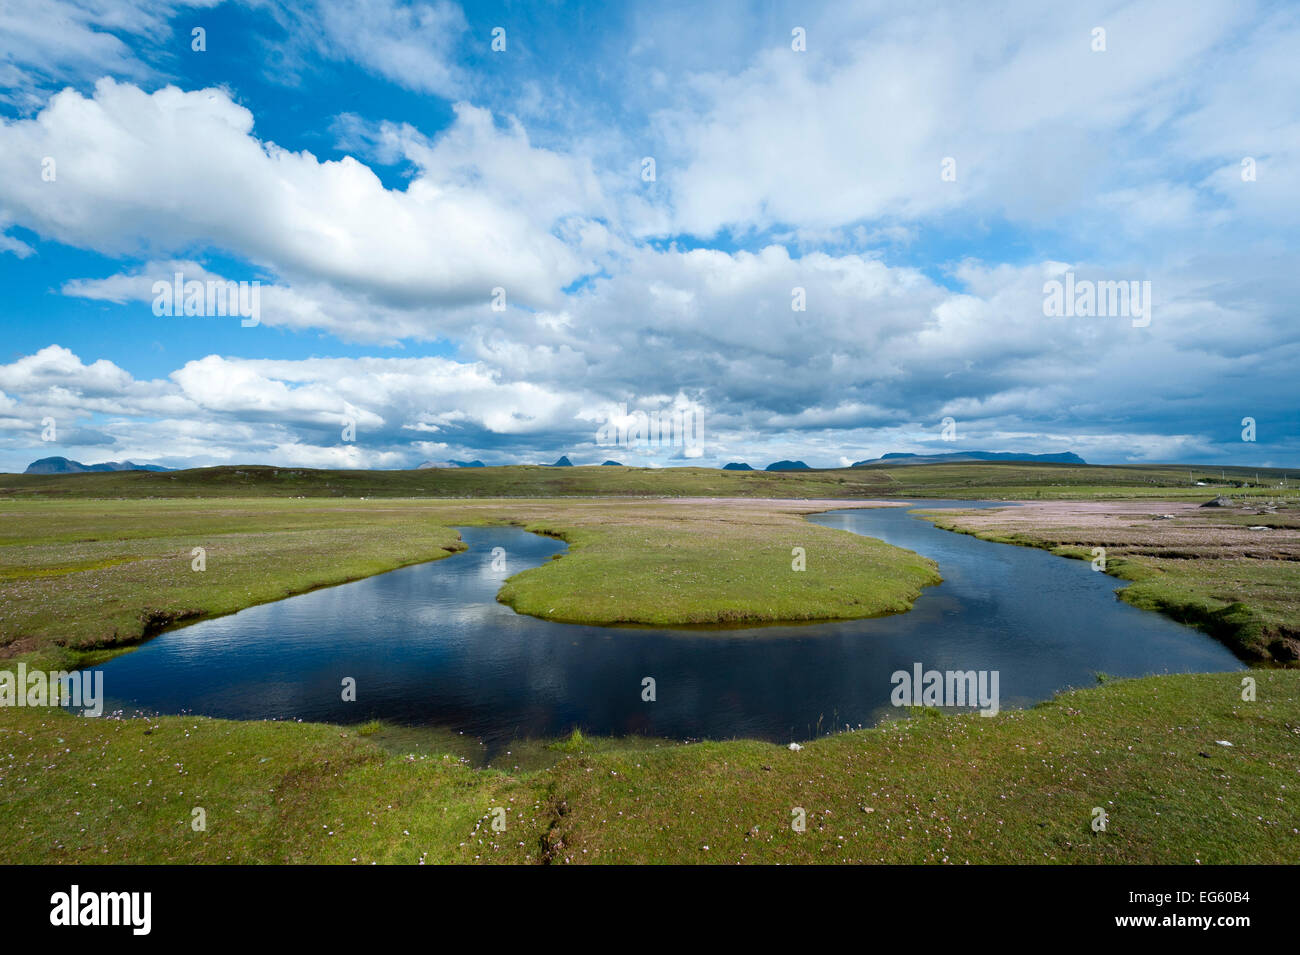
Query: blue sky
point(919, 171)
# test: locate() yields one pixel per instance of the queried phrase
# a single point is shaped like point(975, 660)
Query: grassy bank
point(669, 564)
point(1232, 571)
point(117, 791)
point(81, 578)
point(1018, 787)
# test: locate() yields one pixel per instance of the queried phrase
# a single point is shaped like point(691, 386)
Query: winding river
point(430, 645)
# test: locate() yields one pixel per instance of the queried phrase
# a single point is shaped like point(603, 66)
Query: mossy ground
point(1020, 787)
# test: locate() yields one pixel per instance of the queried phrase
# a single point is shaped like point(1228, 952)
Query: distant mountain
point(64, 466)
point(738, 466)
point(787, 466)
point(611, 464)
point(564, 462)
point(952, 457)
point(451, 464)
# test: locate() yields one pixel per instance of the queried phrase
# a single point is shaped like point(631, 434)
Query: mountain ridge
point(62, 465)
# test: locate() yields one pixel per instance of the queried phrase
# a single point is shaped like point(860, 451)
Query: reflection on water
point(429, 645)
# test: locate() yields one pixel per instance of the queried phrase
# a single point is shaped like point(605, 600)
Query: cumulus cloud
point(1036, 122)
point(879, 358)
point(219, 410)
point(168, 171)
point(349, 315)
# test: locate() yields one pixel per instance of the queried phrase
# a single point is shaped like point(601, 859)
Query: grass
point(573, 743)
point(80, 579)
point(997, 480)
point(716, 565)
point(119, 791)
point(1202, 566)
point(1018, 787)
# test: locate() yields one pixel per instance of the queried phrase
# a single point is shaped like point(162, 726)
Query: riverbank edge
point(1236, 625)
point(333, 777)
point(154, 622)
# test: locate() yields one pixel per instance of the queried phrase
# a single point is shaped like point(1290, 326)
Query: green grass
point(972, 480)
point(669, 566)
point(1249, 605)
point(1018, 787)
point(119, 791)
point(573, 743)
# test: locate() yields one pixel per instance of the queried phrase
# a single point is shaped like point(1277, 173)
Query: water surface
point(430, 645)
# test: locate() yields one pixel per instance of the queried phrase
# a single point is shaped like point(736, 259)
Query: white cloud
point(412, 44)
point(168, 171)
point(52, 42)
point(1038, 124)
point(881, 356)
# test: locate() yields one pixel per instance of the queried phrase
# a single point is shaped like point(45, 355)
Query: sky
point(489, 231)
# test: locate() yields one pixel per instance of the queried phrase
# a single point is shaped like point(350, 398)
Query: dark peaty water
point(429, 645)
